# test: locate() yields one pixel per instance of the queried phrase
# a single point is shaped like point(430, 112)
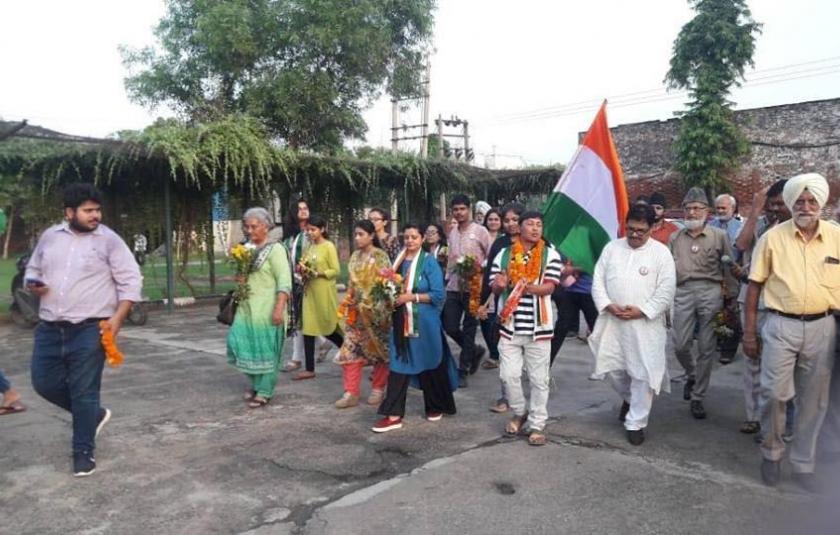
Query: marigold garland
point(519, 269)
point(475, 291)
point(113, 356)
point(347, 309)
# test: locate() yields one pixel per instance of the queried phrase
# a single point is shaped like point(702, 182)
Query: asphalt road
point(184, 455)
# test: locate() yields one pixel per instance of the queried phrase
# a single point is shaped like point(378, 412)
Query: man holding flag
point(588, 207)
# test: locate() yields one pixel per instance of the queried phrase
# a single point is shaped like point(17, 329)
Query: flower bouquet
point(387, 287)
point(725, 323)
point(465, 267)
point(469, 280)
point(306, 268)
point(242, 257)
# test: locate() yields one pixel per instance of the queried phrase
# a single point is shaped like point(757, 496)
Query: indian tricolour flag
point(588, 206)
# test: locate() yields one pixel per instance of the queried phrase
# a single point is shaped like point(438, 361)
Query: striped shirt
point(524, 317)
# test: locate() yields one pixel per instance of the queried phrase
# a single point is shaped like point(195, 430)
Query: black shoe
point(726, 358)
point(83, 464)
point(689, 386)
point(636, 437)
point(807, 482)
point(697, 410)
point(477, 356)
point(462, 381)
point(770, 472)
point(622, 414)
point(104, 418)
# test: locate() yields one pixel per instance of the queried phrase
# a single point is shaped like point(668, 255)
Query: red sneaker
point(386, 424)
point(434, 416)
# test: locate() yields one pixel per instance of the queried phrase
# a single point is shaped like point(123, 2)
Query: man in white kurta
point(633, 286)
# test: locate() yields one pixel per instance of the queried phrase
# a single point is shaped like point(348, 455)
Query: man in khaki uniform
point(797, 265)
point(699, 253)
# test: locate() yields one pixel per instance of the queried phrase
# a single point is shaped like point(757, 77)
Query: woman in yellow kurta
point(319, 268)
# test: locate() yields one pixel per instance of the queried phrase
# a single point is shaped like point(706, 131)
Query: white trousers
point(535, 356)
point(635, 392)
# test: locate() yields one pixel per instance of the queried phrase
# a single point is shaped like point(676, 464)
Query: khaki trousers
point(796, 360)
point(696, 303)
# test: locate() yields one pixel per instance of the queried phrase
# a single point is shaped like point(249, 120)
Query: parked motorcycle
point(24, 308)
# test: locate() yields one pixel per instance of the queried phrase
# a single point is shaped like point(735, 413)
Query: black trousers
point(309, 347)
point(457, 306)
point(437, 392)
point(569, 307)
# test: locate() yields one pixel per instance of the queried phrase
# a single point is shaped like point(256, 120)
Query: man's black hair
point(642, 212)
point(77, 194)
point(460, 199)
point(530, 214)
point(777, 188)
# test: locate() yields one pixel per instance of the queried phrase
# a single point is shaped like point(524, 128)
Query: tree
point(305, 68)
point(710, 55)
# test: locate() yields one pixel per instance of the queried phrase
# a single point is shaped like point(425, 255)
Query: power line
point(644, 96)
point(627, 102)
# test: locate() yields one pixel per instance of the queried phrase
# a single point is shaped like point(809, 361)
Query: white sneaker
point(104, 418)
point(596, 376)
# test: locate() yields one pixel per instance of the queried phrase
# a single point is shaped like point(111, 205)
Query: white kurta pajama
point(632, 352)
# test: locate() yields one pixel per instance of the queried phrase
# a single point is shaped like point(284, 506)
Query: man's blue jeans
point(67, 367)
point(4, 383)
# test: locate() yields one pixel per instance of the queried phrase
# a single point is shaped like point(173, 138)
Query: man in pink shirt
point(467, 238)
point(84, 273)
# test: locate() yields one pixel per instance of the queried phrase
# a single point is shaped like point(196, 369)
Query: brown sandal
point(515, 424)
point(537, 438)
point(299, 376)
point(489, 364)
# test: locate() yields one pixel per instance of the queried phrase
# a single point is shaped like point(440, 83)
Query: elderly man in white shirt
point(633, 287)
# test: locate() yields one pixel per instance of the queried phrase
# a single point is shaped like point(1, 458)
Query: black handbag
point(227, 309)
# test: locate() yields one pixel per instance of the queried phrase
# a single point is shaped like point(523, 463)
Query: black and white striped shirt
point(524, 317)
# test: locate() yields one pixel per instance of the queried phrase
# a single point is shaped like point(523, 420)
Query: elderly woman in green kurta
point(255, 340)
point(319, 267)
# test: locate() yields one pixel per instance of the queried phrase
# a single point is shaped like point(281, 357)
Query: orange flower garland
point(347, 309)
point(519, 269)
point(113, 356)
point(475, 291)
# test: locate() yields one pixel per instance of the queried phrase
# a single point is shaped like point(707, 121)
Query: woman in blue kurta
point(419, 353)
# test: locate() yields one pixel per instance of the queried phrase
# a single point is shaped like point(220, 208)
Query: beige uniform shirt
point(699, 258)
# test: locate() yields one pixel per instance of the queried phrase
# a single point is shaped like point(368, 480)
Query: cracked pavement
point(183, 454)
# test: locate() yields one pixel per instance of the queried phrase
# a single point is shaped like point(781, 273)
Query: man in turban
point(662, 228)
point(797, 266)
point(700, 255)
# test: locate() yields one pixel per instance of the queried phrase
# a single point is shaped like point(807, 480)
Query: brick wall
point(786, 140)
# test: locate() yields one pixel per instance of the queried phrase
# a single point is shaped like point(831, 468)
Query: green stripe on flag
point(574, 231)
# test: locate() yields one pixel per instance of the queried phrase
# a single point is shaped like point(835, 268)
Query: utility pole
point(424, 126)
point(467, 141)
point(395, 122)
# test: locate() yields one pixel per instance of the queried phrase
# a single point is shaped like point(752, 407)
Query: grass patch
point(154, 278)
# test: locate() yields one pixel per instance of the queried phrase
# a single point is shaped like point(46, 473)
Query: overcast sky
point(528, 75)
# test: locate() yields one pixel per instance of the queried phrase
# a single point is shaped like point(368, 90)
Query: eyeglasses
point(694, 208)
point(637, 231)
